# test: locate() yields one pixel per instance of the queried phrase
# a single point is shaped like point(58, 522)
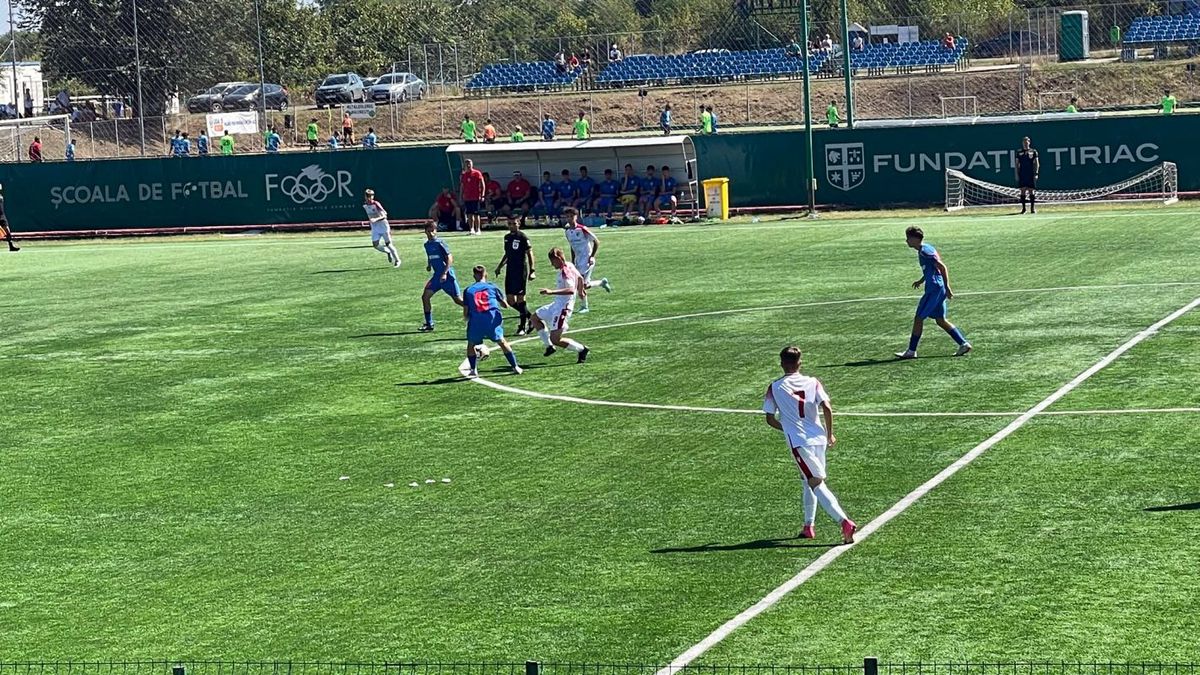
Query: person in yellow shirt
point(583, 128)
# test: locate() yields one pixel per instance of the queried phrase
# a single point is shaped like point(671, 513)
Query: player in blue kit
point(547, 197)
point(564, 191)
point(607, 192)
point(667, 197)
point(482, 302)
point(936, 279)
point(441, 265)
point(585, 189)
point(649, 190)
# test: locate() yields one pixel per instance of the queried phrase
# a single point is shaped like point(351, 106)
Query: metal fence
point(152, 57)
point(869, 666)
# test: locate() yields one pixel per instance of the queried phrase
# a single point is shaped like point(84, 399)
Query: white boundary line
point(723, 631)
point(463, 367)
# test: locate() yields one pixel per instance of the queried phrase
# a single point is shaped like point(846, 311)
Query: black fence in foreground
point(869, 666)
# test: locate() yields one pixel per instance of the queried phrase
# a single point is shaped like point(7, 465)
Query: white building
point(28, 76)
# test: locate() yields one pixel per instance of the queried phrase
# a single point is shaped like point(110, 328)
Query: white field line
point(723, 631)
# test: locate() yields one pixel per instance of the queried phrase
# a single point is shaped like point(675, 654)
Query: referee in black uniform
point(518, 256)
point(1028, 166)
point(4, 226)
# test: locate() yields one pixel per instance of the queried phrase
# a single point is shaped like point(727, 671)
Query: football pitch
point(208, 445)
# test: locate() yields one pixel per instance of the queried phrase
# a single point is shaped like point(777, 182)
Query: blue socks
point(913, 340)
point(473, 360)
point(512, 358)
point(428, 318)
point(957, 335)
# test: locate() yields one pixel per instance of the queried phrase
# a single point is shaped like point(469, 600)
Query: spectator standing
point(827, 44)
point(468, 129)
point(70, 154)
point(273, 140)
point(312, 133)
point(370, 141)
point(28, 103)
point(664, 120)
point(548, 128)
point(226, 144)
point(614, 53)
point(1072, 107)
point(585, 61)
point(712, 120)
point(832, 116)
point(948, 42)
point(471, 188)
point(706, 127)
point(1168, 103)
point(489, 132)
point(5, 228)
point(185, 146)
point(177, 144)
point(35, 150)
point(858, 43)
point(582, 128)
point(517, 136)
point(202, 143)
point(560, 62)
point(573, 63)
point(347, 129)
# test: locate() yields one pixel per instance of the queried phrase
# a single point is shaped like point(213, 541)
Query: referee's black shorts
point(1026, 181)
point(515, 280)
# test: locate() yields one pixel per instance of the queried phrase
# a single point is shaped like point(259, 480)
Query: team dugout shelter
point(532, 158)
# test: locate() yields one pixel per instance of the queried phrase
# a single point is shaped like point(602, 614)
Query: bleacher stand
point(1151, 30)
point(526, 76)
point(706, 67)
point(906, 57)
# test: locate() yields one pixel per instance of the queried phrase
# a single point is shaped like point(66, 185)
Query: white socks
point(810, 504)
point(545, 335)
point(829, 502)
point(573, 346)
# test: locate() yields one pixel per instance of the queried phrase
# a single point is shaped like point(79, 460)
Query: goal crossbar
point(1158, 184)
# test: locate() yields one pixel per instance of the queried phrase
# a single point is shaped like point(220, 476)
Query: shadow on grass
point(342, 248)
point(757, 544)
point(881, 362)
point(430, 383)
point(357, 269)
point(1193, 506)
point(409, 332)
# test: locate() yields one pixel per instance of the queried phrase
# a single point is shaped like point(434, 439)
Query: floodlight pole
point(846, 66)
point(137, 65)
point(12, 35)
point(810, 170)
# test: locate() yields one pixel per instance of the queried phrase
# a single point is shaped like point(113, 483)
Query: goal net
point(54, 132)
point(1158, 184)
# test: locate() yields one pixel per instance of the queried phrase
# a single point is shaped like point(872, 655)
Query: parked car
point(1007, 44)
point(397, 87)
point(340, 88)
point(246, 97)
point(369, 82)
point(209, 100)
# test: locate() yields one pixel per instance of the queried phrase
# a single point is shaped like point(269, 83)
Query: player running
point(518, 256)
point(1028, 166)
point(481, 308)
point(584, 246)
point(791, 405)
point(381, 231)
point(936, 279)
point(441, 264)
point(550, 321)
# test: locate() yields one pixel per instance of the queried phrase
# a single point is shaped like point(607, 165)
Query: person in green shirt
point(517, 136)
point(1071, 107)
point(226, 144)
point(793, 49)
point(468, 129)
point(1168, 103)
point(582, 128)
point(706, 126)
point(313, 134)
point(832, 116)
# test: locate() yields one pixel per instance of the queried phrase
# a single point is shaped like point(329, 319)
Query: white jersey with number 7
point(797, 399)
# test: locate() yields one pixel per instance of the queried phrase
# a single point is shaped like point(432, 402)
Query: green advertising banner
point(865, 168)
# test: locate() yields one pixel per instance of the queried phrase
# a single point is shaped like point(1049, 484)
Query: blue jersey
point(370, 140)
point(928, 257)
point(548, 130)
point(273, 142)
point(202, 144)
point(548, 191)
point(565, 189)
point(649, 185)
point(668, 185)
point(483, 301)
point(71, 152)
point(438, 254)
point(664, 118)
point(609, 188)
point(177, 146)
point(630, 184)
point(584, 187)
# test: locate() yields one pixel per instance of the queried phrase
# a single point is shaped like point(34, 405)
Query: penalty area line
point(768, 601)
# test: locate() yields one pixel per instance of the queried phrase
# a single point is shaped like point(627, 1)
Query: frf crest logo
point(845, 165)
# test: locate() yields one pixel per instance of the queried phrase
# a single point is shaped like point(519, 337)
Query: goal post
point(17, 134)
point(1156, 184)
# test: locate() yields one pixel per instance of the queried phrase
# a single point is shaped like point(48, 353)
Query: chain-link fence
point(130, 73)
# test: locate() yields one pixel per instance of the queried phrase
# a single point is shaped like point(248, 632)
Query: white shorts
point(810, 459)
point(586, 272)
point(554, 317)
point(381, 231)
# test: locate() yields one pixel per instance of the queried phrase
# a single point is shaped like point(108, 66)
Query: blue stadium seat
point(518, 76)
point(1148, 30)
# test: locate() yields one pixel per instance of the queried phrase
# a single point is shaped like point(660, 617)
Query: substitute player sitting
point(791, 405)
point(936, 279)
point(441, 265)
point(607, 192)
point(649, 191)
point(445, 210)
point(381, 230)
point(1028, 167)
point(518, 257)
point(550, 321)
point(668, 194)
point(630, 186)
point(481, 308)
point(584, 246)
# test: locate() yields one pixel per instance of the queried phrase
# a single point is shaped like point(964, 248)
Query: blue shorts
point(485, 328)
point(933, 304)
point(449, 287)
point(606, 203)
point(547, 209)
point(665, 200)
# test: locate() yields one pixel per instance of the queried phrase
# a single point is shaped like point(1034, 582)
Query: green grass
point(178, 413)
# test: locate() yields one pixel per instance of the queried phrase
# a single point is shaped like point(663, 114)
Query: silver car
point(340, 88)
point(397, 87)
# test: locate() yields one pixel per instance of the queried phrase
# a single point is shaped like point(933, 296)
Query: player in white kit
point(584, 246)
point(791, 405)
point(381, 231)
point(550, 321)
